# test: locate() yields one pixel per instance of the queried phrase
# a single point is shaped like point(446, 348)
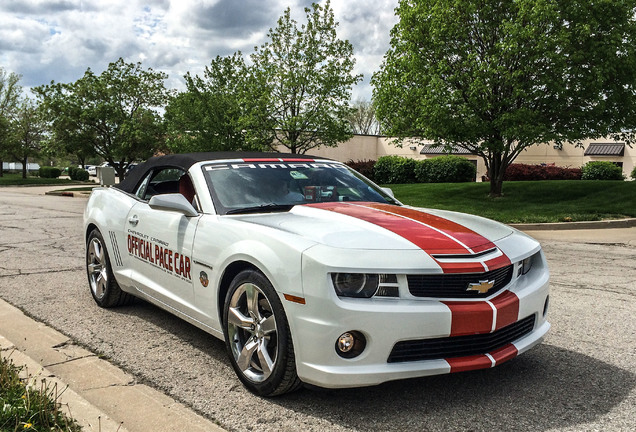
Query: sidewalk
point(99, 395)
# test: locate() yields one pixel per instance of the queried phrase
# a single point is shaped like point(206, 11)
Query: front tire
point(101, 279)
point(257, 336)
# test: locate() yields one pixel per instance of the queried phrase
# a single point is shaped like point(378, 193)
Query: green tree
point(68, 135)
point(299, 86)
point(207, 116)
point(10, 91)
point(26, 134)
point(495, 77)
point(116, 112)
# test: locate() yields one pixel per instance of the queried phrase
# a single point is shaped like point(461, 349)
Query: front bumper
point(384, 322)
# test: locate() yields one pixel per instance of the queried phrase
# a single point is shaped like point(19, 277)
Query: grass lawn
point(523, 202)
point(16, 180)
point(526, 202)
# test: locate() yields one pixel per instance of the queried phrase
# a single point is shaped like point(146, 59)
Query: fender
point(107, 209)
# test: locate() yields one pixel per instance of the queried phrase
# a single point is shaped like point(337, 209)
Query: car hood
point(376, 226)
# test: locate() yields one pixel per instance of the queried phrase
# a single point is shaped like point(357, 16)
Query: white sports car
point(313, 274)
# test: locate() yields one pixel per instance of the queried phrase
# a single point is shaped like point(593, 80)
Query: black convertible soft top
point(186, 160)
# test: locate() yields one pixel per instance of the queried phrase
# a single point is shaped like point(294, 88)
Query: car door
point(160, 245)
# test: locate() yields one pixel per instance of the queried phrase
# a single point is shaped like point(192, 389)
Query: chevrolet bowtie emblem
point(482, 287)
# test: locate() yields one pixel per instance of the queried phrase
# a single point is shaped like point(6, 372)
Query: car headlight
point(359, 285)
point(526, 265)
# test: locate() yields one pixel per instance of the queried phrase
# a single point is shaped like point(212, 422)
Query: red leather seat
point(186, 188)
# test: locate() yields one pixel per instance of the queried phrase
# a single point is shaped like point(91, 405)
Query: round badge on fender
point(203, 278)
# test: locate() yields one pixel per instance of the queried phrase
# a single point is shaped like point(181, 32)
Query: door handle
point(134, 220)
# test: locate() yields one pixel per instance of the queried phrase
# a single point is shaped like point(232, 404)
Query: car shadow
point(548, 387)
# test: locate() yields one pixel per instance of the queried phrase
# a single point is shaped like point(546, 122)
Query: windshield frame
point(298, 171)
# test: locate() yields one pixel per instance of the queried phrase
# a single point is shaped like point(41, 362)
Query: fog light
point(350, 344)
point(545, 306)
point(345, 342)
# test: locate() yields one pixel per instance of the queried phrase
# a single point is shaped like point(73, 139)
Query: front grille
point(460, 346)
point(456, 285)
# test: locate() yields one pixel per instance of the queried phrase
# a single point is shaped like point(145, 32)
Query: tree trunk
point(121, 172)
point(24, 167)
point(496, 173)
point(1, 165)
point(496, 187)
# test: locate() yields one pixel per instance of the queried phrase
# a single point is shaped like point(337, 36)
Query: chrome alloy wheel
point(97, 267)
point(253, 337)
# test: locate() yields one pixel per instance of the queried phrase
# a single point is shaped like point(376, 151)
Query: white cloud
point(58, 40)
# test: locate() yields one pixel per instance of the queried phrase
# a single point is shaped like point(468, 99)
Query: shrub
point(634, 173)
point(363, 167)
point(394, 169)
point(49, 172)
point(601, 170)
point(523, 172)
point(445, 169)
point(78, 174)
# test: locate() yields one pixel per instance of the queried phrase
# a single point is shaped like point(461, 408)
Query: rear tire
point(101, 280)
point(257, 336)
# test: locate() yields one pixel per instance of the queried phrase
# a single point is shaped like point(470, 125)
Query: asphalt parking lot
point(583, 377)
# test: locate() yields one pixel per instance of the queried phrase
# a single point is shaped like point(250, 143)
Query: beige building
point(371, 147)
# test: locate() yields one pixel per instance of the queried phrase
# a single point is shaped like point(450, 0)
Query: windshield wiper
point(263, 208)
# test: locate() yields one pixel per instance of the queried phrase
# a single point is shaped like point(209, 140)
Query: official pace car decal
point(433, 234)
point(157, 253)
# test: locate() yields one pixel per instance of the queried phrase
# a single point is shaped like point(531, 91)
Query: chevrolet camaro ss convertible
point(313, 274)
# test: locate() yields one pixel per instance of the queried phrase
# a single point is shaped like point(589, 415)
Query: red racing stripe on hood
point(473, 241)
point(432, 234)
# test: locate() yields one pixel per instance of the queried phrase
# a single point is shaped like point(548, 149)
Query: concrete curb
point(99, 395)
point(618, 223)
point(69, 194)
point(87, 415)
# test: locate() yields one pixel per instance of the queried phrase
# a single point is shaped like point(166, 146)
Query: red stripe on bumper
point(482, 361)
point(462, 364)
point(470, 318)
point(476, 317)
point(507, 305)
point(504, 354)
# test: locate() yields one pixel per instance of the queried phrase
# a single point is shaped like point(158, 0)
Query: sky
point(58, 40)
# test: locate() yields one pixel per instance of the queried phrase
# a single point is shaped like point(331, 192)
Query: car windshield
point(241, 187)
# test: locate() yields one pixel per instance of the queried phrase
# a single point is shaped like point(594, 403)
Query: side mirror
point(172, 202)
